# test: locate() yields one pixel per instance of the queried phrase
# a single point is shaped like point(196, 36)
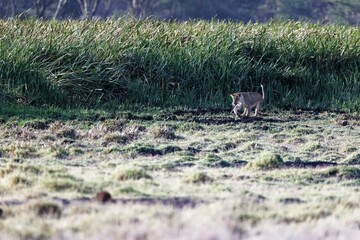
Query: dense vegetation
point(191, 64)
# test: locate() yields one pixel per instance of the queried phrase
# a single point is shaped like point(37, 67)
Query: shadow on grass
point(308, 164)
point(135, 112)
point(176, 202)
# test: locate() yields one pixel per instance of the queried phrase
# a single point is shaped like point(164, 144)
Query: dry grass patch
point(58, 151)
point(25, 168)
point(163, 131)
point(18, 180)
point(60, 180)
point(116, 138)
point(312, 146)
point(131, 174)
point(19, 150)
point(67, 133)
point(198, 178)
point(114, 125)
point(37, 124)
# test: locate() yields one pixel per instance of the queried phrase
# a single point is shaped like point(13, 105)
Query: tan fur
point(248, 100)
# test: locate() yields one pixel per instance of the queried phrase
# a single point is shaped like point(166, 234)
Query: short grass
point(179, 174)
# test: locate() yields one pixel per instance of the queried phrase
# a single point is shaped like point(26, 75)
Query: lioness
point(248, 100)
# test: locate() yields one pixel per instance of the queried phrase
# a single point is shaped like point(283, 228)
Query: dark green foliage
point(193, 64)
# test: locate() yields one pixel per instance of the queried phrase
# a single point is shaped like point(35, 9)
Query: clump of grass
point(67, 133)
point(112, 150)
point(37, 124)
point(343, 173)
point(165, 149)
point(250, 146)
point(168, 166)
point(198, 178)
point(116, 138)
point(20, 150)
point(56, 126)
point(249, 218)
point(266, 161)
point(114, 125)
point(60, 180)
point(148, 149)
point(190, 127)
point(225, 146)
point(48, 138)
point(18, 180)
point(61, 184)
point(142, 149)
point(47, 209)
point(131, 174)
point(23, 168)
point(76, 151)
point(303, 131)
point(214, 161)
point(58, 151)
point(163, 131)
point(312, 146)
point(352, 159)
point(187, 157)
point(133, 131)
point(131, 191)
point(351, 149)
point(121, 134)
point(296, 140)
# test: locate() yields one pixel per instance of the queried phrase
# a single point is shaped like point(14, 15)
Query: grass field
point(189, 64)
point(179, 174)
point(122, 130)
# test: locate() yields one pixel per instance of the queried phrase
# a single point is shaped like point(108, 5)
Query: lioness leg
point(245, 112)
point(257, 109)
point(236, 109)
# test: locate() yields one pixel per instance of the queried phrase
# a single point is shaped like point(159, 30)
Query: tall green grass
point(192, 64)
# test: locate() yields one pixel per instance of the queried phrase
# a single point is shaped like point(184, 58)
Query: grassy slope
point(193, 64)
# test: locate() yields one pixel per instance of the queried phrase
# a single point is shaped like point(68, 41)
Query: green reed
point(192, 64)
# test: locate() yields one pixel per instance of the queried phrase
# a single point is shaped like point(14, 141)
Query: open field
point(178, 173)
point(181, 174)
